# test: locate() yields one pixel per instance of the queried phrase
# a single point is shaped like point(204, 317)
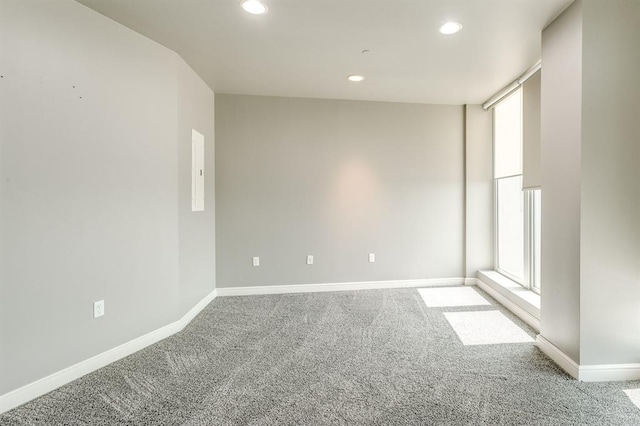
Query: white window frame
point(497, 237)
point(528, 199)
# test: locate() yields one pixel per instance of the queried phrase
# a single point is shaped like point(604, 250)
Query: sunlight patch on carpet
point(634, 396)
point(486, 328)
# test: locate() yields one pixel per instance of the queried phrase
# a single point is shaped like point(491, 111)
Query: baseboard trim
point(588, 373)
point(609, 372)
point(515, 309)
point(197, 308)
point(313, 288)
point(567, 364)
point(470, 281)
point(45, 385)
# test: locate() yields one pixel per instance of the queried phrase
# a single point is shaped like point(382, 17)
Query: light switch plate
point(310, 259)
point(256, 261)
point(372, 257)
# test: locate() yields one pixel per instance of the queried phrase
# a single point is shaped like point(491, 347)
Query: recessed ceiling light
point(355, 78)
point(254, 7)
point(450, 28)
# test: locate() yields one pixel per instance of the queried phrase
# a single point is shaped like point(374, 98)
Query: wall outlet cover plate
point(98, 308)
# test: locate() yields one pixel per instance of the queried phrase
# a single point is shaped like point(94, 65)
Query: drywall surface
point(89, 186)
point(479, 189)
point(610, 202)
point(196, 229)
point(337, 180)
point(561, 100)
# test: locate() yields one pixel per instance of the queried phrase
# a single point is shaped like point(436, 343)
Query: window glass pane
point(508, 136)
point(537, 220)
point(510, 227)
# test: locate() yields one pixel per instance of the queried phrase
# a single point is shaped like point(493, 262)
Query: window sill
point(522, 302)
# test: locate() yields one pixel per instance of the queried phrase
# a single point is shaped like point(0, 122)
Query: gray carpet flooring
point(377, 357)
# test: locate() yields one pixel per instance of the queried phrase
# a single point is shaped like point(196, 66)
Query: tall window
point(517, 212)
point(536, 233)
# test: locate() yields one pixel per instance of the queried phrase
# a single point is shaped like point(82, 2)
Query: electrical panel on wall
point(197, 171)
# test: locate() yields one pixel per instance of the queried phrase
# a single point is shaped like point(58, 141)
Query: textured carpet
point(368, 357)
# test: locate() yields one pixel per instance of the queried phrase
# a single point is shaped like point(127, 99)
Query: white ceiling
point(306, 48)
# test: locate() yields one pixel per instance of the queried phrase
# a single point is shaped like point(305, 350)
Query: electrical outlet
point(372, 257)
point(98, 308)
point(256, 261)
point(310, 259)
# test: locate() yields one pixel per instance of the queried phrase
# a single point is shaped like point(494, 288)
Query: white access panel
point(197, 171)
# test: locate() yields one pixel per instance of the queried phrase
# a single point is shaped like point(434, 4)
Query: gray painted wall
point(591, 198)
point(197, 273)
point(479, 189)
point(610, 202)
point(92, 203)
point(561, 100)
point(337, 180)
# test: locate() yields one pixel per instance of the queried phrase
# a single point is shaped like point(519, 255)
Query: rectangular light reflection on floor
point(634, 396)
point(451, 296)
point(486, 328)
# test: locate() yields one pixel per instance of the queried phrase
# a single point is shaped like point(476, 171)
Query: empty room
point(302, 212)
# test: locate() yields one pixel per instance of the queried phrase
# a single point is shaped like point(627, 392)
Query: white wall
point(92, 174)
point(337, 180)
point(610, 197)
point(561, 100)
point(478, 189)
point(590, 195)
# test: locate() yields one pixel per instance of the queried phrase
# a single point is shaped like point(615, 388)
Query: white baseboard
point(557, 356)
point(609, 372)
point(197, 308)
point(47, 384)
point(470, 281)
point(588, 373)
point(517, 310)
point(312, 288)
